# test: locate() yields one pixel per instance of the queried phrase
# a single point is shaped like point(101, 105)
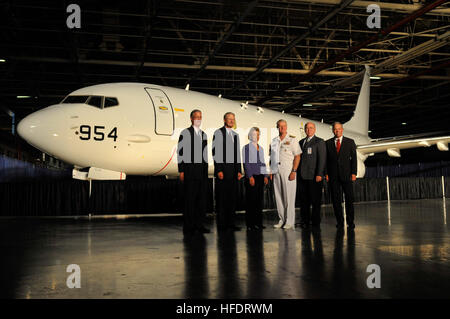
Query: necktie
point(338, 145)
point(306, 141)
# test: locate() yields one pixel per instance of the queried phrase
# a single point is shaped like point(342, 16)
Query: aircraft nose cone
point(27, 126)
point(42, 127)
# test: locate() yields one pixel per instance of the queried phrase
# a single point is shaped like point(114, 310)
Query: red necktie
point(338, 145)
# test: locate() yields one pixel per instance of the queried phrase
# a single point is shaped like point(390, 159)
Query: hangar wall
point(12, 170)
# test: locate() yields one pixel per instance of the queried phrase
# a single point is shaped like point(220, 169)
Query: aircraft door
point(164, 118)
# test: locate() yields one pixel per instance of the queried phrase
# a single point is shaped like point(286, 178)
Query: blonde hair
point(254, 128)
point(225, 115)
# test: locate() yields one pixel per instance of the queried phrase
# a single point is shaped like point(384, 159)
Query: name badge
point(309, 150)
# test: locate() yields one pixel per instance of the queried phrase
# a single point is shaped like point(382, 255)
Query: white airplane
point(110, 130)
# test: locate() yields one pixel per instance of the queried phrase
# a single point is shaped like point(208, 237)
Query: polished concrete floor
point(147, 257)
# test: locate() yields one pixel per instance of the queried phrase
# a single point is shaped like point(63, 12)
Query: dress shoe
point(279, 225)
point(289, 227)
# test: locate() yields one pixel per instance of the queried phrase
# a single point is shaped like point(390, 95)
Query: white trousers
point(285, 191)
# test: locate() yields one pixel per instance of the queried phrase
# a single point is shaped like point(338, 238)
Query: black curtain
point(155, 195)
point(44, 198)
point(415, 187)
point(431, 169)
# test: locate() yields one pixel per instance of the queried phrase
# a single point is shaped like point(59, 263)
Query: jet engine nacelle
point(95, 173)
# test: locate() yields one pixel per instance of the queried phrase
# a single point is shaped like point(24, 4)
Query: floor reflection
point(227, 264)
point(444, 211)
point(258, 283)
point(344, 268)
point(195, 267)
point(312, 263)
point(286, 281)
point(150, 258)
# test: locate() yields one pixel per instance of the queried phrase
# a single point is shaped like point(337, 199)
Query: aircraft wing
point(393, 146)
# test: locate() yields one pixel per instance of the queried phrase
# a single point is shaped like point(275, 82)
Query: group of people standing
point(311, 158)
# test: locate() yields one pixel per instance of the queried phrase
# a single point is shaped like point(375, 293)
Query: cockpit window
point(111, 101)
point(93, 100)
point(96, 101)
point(76, 99)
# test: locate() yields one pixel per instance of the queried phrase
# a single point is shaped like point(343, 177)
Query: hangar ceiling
point(300, 56)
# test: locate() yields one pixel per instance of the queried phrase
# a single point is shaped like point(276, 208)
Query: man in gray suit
point(312, 172)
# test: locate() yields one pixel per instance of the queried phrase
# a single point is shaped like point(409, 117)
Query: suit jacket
point(341, 166)
point(253, 160)
point(226, 153)
point(192, 154)
point(313, 159)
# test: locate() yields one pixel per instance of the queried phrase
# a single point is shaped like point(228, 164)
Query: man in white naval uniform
point(284, 160)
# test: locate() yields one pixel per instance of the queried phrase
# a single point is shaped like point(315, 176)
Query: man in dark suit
point(341, 173)
point(193, 169)
point(312, 172)
point(227, 170)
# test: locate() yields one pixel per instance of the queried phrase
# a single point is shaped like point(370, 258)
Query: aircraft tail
point(359, 123)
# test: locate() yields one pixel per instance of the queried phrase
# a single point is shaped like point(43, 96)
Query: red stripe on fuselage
point(167, 162)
